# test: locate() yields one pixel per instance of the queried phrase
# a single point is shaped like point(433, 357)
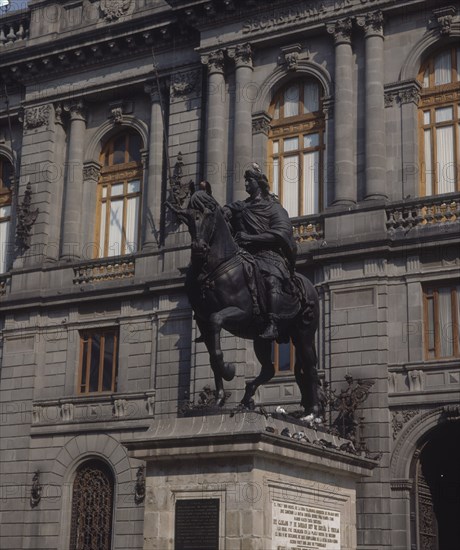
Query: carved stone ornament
point(372, 23)
point(139, 488)
point(91, 171)
point(114, 9)
point(242, 54)
point(184, 83)
point(400, 418)
point(36, 117)
point(291, 56)
point(261, 123)
point(444, 17)
point(25, 219)
point(36, 490)
point(214, 60)
point(341, 30)
point(407, 91)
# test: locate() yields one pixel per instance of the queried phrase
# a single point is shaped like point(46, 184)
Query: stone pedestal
point(247, 482)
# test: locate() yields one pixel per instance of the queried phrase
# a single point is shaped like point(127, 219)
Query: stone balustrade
point(423, 212)
point(14, 29)
point(94, 408)
point(105, 269)
point(307, 228)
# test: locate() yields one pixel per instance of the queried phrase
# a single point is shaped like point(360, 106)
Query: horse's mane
point(201, 200)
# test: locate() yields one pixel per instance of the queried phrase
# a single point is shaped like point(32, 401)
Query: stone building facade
point(352, 108)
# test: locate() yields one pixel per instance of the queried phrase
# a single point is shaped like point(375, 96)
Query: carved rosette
point(341, 30)
point(37, 117)
point(184, 83)
point(242, 55)
point(372, 23)
point(400, 418)
point(261, 123)
point(114, 9)
point(215, 61)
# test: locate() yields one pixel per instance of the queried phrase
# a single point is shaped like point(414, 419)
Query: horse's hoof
point(229, 372)
point(247, 405)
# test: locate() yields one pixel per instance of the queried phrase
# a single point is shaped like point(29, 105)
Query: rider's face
point(251, 186)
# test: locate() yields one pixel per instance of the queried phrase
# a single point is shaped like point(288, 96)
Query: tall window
point(92, 507)
point(98, 361)
point(442, 315)
point(6, 174)
point(296, 148)
point(118, 196)
point(439, 123)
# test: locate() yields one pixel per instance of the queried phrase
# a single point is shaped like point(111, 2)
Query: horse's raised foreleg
point(212, 340)
point(263, 350)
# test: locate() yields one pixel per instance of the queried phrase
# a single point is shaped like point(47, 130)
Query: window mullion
point(101, 363)
point(88, 363)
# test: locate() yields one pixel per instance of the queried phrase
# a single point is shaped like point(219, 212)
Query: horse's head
point(202, 223)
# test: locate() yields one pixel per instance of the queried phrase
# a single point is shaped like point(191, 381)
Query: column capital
point(242, 55)
point(215, 61)
point(77, 110)
point(151, 88)
point(372, 23)
point(341, 30)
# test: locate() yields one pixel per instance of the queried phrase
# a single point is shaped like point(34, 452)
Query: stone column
point(72, 226)
point(345, 187)
point(214, 170)
point(372, 23)
point(242, 135)
point(152, 191)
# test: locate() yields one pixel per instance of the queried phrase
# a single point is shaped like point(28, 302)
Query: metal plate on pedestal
point(196, 525)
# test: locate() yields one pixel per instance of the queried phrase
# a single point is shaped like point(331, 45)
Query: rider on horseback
point(262, 227)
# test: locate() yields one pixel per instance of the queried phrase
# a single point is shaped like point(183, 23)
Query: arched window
point(439, 123)
point(6, 175)
point(296, 148)
point(119, 196)
point(92, 507)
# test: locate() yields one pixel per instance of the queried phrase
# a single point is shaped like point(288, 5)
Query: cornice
point(42, 61)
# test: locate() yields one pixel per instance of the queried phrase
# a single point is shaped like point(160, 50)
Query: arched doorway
point(436, 502)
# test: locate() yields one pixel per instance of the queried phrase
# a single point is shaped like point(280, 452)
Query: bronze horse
point(221, 294)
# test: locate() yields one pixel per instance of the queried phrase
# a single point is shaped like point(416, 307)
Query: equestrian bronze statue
point(242, 279)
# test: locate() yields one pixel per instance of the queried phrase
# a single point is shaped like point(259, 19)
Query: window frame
point(297, 126)
point(112, 174)
point(431, 300)
point(6, 200)
point(276, 359)
point(434, 97)
point(86, 336)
